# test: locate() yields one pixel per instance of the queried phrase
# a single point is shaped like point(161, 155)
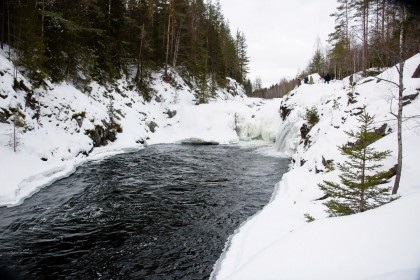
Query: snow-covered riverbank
point(277, 243)
point(55, 139)
point(383, 243)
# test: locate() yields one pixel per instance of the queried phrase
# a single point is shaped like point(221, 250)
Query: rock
point(304, 130)
point(284, 111)
point(382, 130)
point(4, 115)
point(416, 73)
point(171, 113)
point(326, 162)
point(152, 126)
point(100, 135)
point(410, 97)
point(198, 141)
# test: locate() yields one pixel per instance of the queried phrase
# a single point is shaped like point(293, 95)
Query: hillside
point(383, 243)
point(59, 127)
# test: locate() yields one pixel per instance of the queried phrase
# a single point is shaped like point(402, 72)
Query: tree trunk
point(177, 41)
point(8, 29)
point(383, 23)
point(400, 103)
point(140, 58)
point(3, 21)
point(168, 39)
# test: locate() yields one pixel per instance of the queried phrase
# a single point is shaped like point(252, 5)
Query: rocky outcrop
point(152, 126)
point(102, 135)
point(284, 111)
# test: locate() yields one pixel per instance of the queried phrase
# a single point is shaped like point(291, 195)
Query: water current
point(164, 212)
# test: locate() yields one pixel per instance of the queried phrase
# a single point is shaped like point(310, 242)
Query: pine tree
point(360, 188)
point(243, 60)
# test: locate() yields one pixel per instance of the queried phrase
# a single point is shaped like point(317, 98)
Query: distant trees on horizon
point(366, 37)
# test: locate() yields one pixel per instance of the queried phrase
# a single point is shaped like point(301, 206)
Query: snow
point(383, 243)
point(337, 248)
point(276, 243)
point(54, 145)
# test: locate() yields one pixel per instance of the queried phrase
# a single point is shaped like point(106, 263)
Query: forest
point(81, 41)
point(366, 38)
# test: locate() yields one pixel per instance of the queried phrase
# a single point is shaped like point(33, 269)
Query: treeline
point(275, 91)
point(367, 37)
point(103, 40)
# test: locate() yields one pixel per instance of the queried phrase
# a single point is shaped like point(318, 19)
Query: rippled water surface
point(164, 212)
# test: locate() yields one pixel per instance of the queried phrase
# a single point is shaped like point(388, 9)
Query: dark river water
point(164, 212)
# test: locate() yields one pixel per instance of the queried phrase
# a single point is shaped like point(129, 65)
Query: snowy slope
point(277, 243)
point(54, 144)
point(383, 243)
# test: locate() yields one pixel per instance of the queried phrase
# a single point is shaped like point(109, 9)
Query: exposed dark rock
point(323, 197)
point(351, 99)
point(326, 162)
point(141, 141)
point(79, 118)
point(152, 126)
point(19, 84)
point(44, 159)
point(410, 97)
point(416, 73)
point(284, 111)
point(407, 102)
point(382, 130)
point(197, 141)
point(357, 111)
point(304, 130)
point(101, 135)
point(171, 113)
point(158, 99)
point(302, 162)
point(4, 115)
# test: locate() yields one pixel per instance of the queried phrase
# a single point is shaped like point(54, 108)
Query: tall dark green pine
point(31, 41)
point(243, 59)
point(361, 183)
point(317, 64)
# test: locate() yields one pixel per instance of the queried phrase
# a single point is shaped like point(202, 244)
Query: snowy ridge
point(55, 140)
point(382, 243)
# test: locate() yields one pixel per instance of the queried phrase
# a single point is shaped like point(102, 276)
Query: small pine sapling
point(15, 141)
point(312, 116)
point(308, 218)
point(360, 189)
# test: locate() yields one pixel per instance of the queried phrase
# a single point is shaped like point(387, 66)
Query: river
point(164, 212)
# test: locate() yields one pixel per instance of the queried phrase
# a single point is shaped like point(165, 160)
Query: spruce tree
point(360, 188)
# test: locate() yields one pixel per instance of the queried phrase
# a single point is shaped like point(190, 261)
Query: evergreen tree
point(317, 64)
point(84, 40)
point(15, 140)
point(360, 179)
point(243, 60)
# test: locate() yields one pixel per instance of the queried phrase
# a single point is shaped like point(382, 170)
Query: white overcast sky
point(281, 34)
